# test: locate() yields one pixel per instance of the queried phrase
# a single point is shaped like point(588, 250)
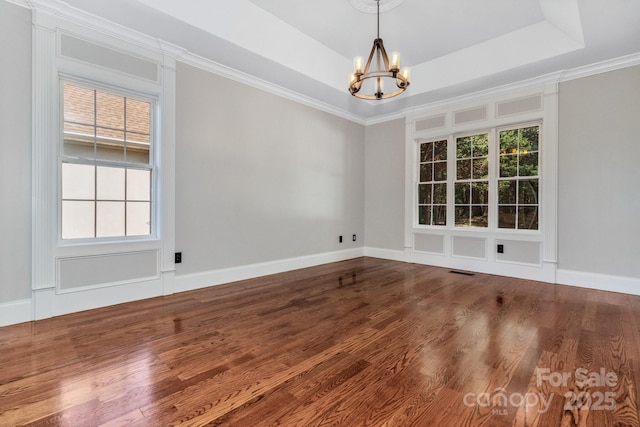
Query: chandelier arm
point(385, 58)
point(371, 55)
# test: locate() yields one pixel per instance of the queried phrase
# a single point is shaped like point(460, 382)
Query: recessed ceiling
point(453, 47)
point(415, 28)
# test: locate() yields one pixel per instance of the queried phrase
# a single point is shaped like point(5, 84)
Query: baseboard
point(21, 311)
point(390, 254)
point(603, 282)
point(204, 279)
point(15, 312)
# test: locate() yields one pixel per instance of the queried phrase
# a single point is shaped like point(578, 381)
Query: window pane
point(479, 216)
point(426, 152)
point(530, 138)
point(509, 141)
point(78, 105)
point(111, 146)
point(440, 194)
point(78, 131)
point(138, 218)
point(424, 194)
point(138, 184)
point(110, 183)
point(78, 181)
point(480, 147)
point(110, 136)
point(440, 171)
point(463, 193)
point(138, 119)
point(463, 148)
point(528, 218)
point(78, 220)
point(426, 172)
point(78, 149)
point(480, 193)
point(109, 219)
point(463, 169)
point(480, 168)
point(507, 217)
point(440, 150)
point(528, 164)
point(109, 111)
point(509, 165)
point(439, 215)
point(424, 215)
point(137, 153)
point(528, 192)
point(462, 216)
point(507, 192)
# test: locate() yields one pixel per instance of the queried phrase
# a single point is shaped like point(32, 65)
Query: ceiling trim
point(371, 6)
point(249, 80)
point(92, 22)
point(23, 3)
point(556, 77)
point(79, 17)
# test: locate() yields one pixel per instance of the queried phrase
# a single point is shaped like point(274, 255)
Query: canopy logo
point(499, 400)
point(581, 379)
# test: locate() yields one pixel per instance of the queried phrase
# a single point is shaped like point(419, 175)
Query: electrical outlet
point(500, 249)
point(339, 239)
point(354, 238)
point(178, 257)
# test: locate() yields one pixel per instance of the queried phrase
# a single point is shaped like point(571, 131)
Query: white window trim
point(546, 235)
point(153, 159)
point(49, 66)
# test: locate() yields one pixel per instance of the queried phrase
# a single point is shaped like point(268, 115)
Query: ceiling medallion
point(371, 6)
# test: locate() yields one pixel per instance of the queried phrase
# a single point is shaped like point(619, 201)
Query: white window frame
point(61, 281)
point(514, 126)
point(151, 166)
point(446, 245)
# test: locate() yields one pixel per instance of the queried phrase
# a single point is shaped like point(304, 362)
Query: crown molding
point(92, 22)
point(23, 3)
point(64, 11)
point(249, 80)
point(602, 67)
point(552, 78)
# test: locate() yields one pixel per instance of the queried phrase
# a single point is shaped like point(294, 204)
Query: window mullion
point(451, 176)
point(494, 162)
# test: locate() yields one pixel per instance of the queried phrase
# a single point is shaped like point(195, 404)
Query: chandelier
point(384, 69)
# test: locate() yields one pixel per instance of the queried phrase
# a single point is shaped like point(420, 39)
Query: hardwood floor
point(354, 343)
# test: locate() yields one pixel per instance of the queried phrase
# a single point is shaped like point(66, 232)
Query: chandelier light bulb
point(358, 64)
point(394, 64)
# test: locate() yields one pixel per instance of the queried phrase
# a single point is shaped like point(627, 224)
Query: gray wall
point(384, 189)
point(15, 145)
point(261, 178)
point(599, 174)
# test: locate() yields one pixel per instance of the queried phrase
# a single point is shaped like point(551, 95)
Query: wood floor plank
point(364, 342)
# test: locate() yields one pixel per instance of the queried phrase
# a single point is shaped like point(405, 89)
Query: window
point(518, 178)
point(432, 183)
point(495, 179)
point(472, 181)
point(106, 167)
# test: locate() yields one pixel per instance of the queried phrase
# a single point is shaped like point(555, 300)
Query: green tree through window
point(518, 182)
